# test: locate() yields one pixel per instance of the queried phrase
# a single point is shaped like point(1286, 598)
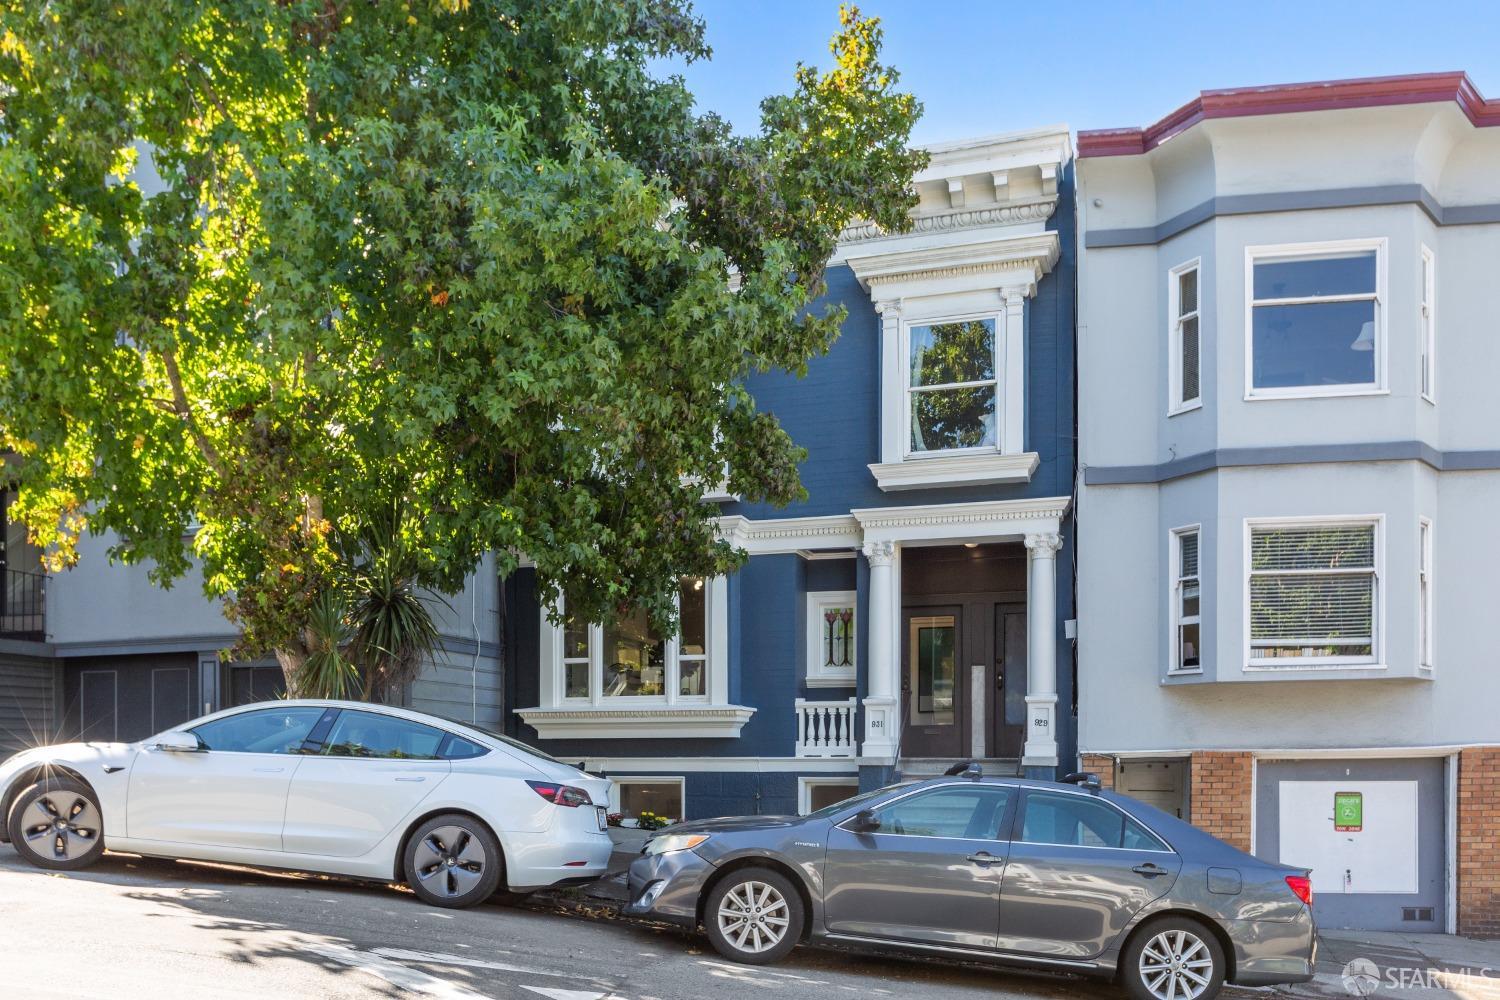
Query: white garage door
point(1356, 836)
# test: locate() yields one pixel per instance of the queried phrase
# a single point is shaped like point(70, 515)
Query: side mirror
point(179, 743)
point(864, 821)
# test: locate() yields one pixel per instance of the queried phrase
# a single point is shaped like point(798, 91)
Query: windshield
point(859, 799)
point(507, 740)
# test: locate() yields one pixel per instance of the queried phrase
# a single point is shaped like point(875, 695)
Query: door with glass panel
point(934, 704)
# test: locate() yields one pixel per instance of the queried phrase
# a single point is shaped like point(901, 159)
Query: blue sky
point(984, 66)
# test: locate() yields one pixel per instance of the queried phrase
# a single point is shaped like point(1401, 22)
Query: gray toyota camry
point(1060, 875)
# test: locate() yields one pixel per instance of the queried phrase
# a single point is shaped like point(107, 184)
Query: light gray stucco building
point(1290, 454)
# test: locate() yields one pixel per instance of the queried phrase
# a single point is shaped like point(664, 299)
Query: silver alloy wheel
point(753, 916)
point(1176, 965)
point(63, 824)
point(450, 861)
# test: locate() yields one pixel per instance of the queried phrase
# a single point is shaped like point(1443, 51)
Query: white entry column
point(883, 620)
point(1041, 650)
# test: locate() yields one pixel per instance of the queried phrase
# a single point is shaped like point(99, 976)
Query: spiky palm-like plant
point(328, 672)
point(392, 630)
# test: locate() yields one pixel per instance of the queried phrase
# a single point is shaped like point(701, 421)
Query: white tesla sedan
point(346, 788)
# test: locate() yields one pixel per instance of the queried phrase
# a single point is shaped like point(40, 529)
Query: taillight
point(561, 795)
point(1301, 887)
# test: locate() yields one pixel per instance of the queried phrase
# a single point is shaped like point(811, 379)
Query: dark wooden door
point(1007, 728)
point(933, 657)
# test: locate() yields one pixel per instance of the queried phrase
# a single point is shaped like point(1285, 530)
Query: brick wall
point(1220, 795)
point(1101, 765)
point(1479, 842)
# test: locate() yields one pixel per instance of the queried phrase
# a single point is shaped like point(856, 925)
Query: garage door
point(27, 709)
point(1372, 831)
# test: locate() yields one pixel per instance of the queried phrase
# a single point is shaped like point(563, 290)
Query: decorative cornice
point(1031, 508)
point(637, 721)
point(880, 553)
point(1044, 543)
point(790, 533)
point(955, 470)
point(1015, 213)
point(1032, 255)
point(1369, 92)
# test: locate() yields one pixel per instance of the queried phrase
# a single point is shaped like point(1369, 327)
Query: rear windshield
point(500, 737)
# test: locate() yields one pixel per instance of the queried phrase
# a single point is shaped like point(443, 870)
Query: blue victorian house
point(916, 608)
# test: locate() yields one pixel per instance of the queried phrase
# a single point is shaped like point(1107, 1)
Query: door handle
point(1149, 870)
point(270, 770)
point(984, 858)
point(410, 778)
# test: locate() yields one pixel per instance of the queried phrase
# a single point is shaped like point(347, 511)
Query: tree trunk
point(291, 661)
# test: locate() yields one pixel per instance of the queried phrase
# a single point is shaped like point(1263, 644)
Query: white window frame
point(1425, 593)
point(1375, 661)
point(1255, 253)
point(616, 801)
point(806, 785)
point(1175, 403)
point(714, 658)
point(1176, 619)
point(1428, 314)
point(999, 382)
point(819, 601)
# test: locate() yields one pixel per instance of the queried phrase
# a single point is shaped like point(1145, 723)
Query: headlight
point(675, 842)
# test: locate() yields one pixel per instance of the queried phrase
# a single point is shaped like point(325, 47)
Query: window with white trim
point(1186, 602)
point(662, 797)
point(628, 661)
point(1182, 291)
point(1313, 592)
point(952, 385)
point(1424, 594)
point(1316, 319)
point(1429, 325)
point(832, 631)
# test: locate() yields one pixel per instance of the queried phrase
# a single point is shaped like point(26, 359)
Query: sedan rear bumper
point(667, 886)
point(1268, 952)
point(570, 859)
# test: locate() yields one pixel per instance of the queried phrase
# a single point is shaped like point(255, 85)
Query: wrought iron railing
point(23, 604)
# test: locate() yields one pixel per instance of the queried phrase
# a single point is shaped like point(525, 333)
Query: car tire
point(1175, 957)
point(754, 916)
point(453, 860)
point(57, 824)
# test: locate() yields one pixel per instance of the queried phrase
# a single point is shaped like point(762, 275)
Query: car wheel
point(56, 823)
point(754, 916)
point(454, 861)
point(1173, 958)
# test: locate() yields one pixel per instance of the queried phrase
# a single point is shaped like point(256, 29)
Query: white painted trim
point(1174, 602)
point(1427, 324)
point(972, 467)
point(1254, 794)
point(817, 601)
point(984, 520)
point(616, 803)
point(790, 534)
point(1426, 579)
point(1450, 847)
point(1379, 387)
point(1376, 661)
point(1299, 753)
point(806, 785)
point(613, 722)
point(726, 765)
point(1175, 405)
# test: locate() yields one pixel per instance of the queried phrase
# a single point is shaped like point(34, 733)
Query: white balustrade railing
point(826, 728)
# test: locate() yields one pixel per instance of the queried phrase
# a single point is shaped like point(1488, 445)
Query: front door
point(1007, 717)
point(930, 873)
point(232, 793)
point(933, 652)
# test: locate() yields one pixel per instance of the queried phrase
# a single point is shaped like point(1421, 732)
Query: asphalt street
point(131, 927)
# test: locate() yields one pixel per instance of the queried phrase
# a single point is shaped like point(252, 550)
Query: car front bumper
point(667, 886)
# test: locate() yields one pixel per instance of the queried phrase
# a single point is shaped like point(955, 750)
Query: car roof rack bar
point(1088, 779)
point(968, 769)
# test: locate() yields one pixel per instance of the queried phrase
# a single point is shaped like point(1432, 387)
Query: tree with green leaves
point(270, 268)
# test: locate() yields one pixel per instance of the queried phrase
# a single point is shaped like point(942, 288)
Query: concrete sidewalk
point(1408, 966)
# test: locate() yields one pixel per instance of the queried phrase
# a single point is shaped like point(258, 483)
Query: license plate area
point(603, 816)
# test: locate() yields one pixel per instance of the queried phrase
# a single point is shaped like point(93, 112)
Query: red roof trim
point(1370, 92)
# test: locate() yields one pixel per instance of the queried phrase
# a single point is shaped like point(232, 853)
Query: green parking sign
point(1348, 812)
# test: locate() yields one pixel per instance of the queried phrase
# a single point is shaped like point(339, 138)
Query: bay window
point(1184, 338)
point(1315, 319)
point(1186, 602)
point(629, 659)
point(1313, 592)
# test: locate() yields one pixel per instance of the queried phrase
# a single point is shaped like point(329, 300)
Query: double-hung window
point(1313, 593)
point(1186, 601)
point(953, 393)
point(630, 660)
point(1424, 594)
point(1316, 319)
point(1183, 337)
point(1429, 325)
